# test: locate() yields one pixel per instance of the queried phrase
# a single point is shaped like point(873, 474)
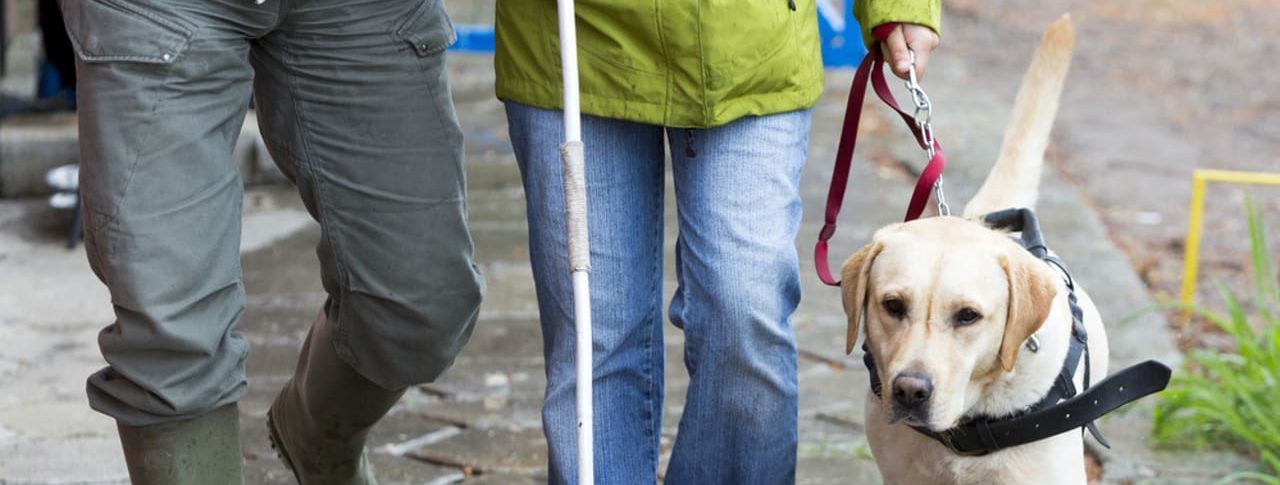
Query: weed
point(1232, 400)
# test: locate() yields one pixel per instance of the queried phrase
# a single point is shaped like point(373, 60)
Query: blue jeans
point(737, 195)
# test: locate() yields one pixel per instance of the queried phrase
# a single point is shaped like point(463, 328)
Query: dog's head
point(947, 303)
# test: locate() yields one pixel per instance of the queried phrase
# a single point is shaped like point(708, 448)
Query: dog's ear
point(1031, 293)
point(853, 287)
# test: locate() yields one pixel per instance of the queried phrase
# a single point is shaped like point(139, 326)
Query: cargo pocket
point(127, 52)
point(427, 30)
point(120, 31)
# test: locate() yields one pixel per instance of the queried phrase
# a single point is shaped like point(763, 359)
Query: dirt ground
point(1158, 89)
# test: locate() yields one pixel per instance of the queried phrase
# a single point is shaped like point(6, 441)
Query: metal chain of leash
point(924, 118)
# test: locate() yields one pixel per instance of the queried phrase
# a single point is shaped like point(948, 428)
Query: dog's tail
point(1015, 179)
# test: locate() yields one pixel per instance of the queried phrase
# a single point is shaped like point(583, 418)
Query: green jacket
point(678, 63)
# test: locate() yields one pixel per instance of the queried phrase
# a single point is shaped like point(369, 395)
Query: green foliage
point(1232, 400)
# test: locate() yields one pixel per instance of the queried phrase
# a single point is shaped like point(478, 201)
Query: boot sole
point(278, 444)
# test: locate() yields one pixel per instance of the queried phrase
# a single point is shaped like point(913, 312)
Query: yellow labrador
point(962, 321)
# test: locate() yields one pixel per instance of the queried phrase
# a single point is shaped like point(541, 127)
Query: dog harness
point(1062, 408)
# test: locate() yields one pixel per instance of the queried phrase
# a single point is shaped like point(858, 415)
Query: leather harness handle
point(1131, 384)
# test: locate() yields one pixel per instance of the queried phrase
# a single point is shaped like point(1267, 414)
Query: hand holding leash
point(904, 39)
point(870, 75)
point(907, 48)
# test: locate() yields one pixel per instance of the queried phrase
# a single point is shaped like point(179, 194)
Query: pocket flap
point(428, 29)
point(113, 30)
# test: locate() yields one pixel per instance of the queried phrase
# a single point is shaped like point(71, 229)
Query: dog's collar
point(1062, 408)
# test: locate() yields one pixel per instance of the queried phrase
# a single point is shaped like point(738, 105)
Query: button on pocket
point(119, 31)
point(428, 29)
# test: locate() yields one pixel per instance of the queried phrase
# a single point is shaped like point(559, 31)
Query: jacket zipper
point(792, 5)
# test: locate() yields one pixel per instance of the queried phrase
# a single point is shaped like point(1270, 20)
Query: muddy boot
point(319, 421)
point(204, 450)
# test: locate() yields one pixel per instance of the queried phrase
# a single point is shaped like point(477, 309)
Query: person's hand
point(918, 38)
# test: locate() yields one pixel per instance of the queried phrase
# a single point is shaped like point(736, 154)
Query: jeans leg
point(356, 108)
point(163, 90)
point(739, 209)
point(624, 177)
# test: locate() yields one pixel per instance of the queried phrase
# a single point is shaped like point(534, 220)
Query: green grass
point(1232, 400)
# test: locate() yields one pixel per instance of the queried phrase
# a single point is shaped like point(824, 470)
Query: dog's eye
point(967, 316)
point(895, 307)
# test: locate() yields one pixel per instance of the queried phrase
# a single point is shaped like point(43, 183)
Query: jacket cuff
point(874, 13)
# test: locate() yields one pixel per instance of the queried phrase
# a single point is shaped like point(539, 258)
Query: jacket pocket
point(740, 36)
point(428, 29)
point(121, 31)
point(618, 34)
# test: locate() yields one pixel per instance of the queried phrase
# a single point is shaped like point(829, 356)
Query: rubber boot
point(204, 450)
point(319, 421)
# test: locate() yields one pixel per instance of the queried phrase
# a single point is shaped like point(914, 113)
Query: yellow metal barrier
point(1200, 179)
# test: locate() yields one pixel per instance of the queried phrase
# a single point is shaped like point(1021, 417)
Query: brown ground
point(1158, 89)
point(1092, 469)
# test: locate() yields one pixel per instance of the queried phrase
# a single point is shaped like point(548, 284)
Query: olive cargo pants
point(354, 103)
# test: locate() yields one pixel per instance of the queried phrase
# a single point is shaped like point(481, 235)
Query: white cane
point(575, 205)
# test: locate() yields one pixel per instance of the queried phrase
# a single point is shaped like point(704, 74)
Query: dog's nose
point(912, 390)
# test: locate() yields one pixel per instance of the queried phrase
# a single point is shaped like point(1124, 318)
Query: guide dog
point(963, 321)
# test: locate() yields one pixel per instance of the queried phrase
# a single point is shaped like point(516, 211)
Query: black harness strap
point(1062, 408)
point(985, 435)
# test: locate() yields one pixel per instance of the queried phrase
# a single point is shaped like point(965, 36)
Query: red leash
point(870, 69)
